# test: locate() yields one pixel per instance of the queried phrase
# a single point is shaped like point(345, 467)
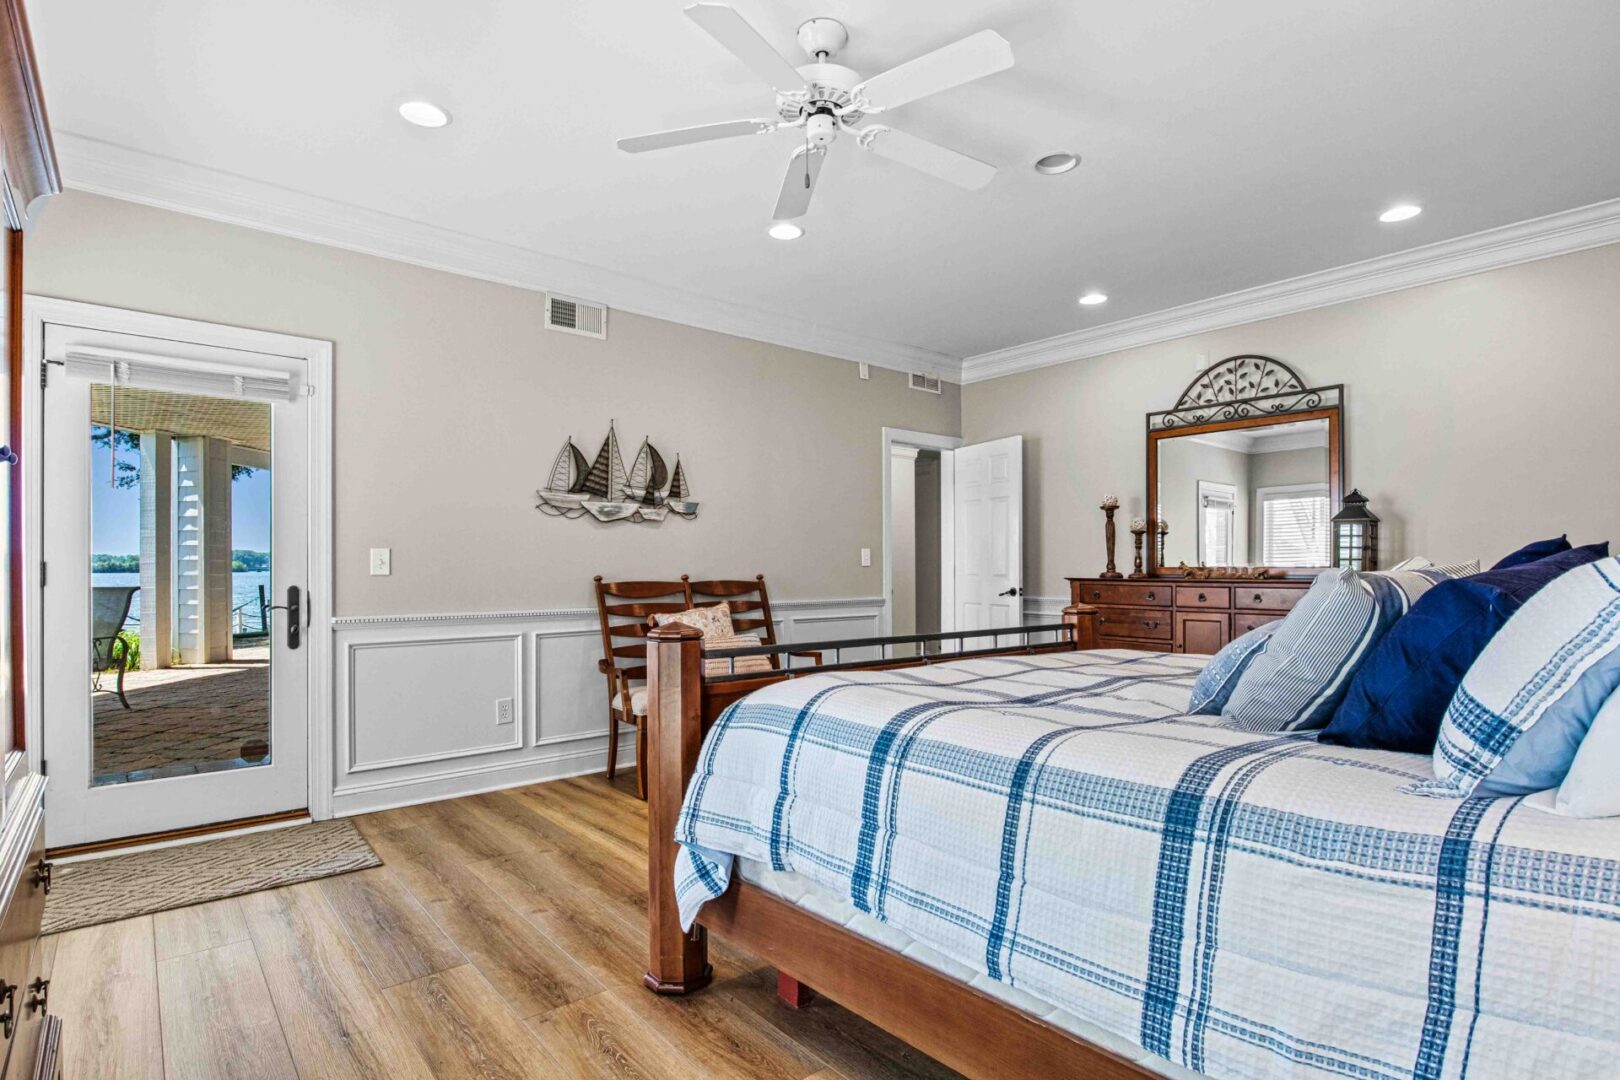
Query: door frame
point(41, 310)
point(920, 440)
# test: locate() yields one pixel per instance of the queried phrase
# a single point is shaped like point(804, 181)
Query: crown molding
point(103, 168)
point(1538, 238)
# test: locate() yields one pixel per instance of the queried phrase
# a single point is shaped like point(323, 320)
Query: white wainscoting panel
point(415, 697)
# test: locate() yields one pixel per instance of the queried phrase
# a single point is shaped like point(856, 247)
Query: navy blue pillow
point(1399, 695)
point(1531, 552)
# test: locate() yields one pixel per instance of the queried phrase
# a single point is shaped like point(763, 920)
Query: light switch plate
point(866, 556)
point(503, 710)
point(381, 558)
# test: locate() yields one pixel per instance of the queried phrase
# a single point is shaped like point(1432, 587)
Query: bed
point(1035, 848)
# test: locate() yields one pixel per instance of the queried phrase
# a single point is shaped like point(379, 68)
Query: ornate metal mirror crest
point(1240, 387)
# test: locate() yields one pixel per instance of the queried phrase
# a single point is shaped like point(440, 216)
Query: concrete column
point(157, 548)
point(202, 590)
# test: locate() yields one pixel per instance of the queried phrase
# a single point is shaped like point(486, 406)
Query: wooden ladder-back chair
point(624, 608)
point(750, 605)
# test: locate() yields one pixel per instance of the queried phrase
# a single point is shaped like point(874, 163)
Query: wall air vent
point(928, 383)
point(576, 316)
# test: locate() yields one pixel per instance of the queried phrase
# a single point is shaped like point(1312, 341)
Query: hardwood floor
point(504, 937)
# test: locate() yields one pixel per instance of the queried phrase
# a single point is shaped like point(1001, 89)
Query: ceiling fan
point(825, 99)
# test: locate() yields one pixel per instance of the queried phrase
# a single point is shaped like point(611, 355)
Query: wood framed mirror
point(1244, 474)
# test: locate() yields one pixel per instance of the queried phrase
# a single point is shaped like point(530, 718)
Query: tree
point(129, 474)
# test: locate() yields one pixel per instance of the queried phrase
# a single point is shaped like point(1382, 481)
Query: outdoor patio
point(184, 720)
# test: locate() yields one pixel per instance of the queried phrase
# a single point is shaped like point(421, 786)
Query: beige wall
point(1480, 413)
point(452, 400)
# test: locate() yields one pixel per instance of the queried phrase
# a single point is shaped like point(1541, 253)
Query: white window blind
point(116, 368)
point(1217, 524)
point(1294, 526)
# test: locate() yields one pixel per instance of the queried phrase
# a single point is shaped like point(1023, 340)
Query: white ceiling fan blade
point(659, 140)
point(928, 157)
point(736, 34)
point(799, 184)
point(974, 57)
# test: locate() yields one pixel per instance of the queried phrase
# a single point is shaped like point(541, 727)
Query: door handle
point(295, 615)
point(1014, 591)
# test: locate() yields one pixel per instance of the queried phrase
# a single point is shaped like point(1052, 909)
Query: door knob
point(1014, 591)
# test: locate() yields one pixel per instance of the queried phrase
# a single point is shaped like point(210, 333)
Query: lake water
point(244, 590)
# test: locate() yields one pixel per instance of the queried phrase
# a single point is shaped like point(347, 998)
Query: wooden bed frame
point(946, 1019)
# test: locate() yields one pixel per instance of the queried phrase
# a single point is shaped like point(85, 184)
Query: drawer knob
point(39, 999)
point(1202, 598)
point(1151, 625)
point(1096, 594)
point(1258, 598)
point(1153, 596)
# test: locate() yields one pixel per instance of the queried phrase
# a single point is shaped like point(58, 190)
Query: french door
point(175, 510)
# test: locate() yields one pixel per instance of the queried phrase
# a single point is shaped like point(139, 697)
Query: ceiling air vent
point(928, 383)
point(575, 316)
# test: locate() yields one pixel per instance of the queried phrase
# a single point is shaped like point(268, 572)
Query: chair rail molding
point(418, 697)
point(1492, 249)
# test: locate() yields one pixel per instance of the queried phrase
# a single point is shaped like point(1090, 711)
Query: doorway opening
point(181, 494)
point(915, 544)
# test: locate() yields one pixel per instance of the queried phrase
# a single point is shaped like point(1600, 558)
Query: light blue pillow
point(1297, 681)
point(1217, 681)
point(1523, 708)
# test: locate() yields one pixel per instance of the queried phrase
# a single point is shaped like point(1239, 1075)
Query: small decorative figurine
point(1110, 503)
point(1138, 530)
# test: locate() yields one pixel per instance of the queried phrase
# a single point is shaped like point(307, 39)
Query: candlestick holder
point(1138, 531)
point(1163, 531)
point(1110, 504)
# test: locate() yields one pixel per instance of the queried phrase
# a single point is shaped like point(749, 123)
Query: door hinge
point(42, 565)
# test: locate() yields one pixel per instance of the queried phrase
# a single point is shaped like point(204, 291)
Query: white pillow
point(1592, 788)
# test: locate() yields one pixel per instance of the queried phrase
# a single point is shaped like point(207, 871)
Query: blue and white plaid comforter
point(1244, 905)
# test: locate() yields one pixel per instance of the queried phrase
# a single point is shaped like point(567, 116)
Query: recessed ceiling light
point(785, 230)
point(1060, 162)
point(424, 114)
point(1093, 298)
point(1400, 212)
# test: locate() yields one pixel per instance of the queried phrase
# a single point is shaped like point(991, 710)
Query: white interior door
point(985, 575)
point(212, 445)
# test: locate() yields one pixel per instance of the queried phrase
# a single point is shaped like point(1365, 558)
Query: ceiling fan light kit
point(826, 99)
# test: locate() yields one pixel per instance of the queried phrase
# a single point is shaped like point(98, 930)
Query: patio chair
point(108, 646)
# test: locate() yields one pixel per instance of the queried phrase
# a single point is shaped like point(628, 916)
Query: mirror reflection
point(1247, 497)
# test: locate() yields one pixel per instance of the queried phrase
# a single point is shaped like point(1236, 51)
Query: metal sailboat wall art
point(603, 489)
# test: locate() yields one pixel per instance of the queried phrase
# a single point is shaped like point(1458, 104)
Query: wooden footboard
point(967, 1030)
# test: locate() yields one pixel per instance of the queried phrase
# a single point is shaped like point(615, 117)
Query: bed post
point(677, 962)
point(1083, 619)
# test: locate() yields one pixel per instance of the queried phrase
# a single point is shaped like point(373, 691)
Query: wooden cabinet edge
point(35, 1041)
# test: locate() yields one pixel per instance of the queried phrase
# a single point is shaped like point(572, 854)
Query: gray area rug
point(123, 886)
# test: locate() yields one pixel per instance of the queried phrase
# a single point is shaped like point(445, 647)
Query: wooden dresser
point(1175, 615)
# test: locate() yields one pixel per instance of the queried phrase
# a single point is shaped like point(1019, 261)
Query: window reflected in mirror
point(1256, 496)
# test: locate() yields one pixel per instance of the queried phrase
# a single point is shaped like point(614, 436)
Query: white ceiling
point(1225, 145)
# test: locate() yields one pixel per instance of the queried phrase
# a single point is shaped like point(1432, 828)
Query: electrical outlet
point(866, 556)
point(503, 710)
point(381, 559)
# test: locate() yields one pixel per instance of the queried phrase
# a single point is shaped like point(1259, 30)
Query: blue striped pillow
point(1525, 704)
point(1217, 681)
point(1302, 675)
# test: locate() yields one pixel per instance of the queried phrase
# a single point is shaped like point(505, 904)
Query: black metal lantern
point(1355, 534)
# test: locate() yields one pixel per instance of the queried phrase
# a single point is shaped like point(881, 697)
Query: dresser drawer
point(1128, 593)
point(1244, 621)
point(1203, 596)
point(1146, 624)
point(1259, 598)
